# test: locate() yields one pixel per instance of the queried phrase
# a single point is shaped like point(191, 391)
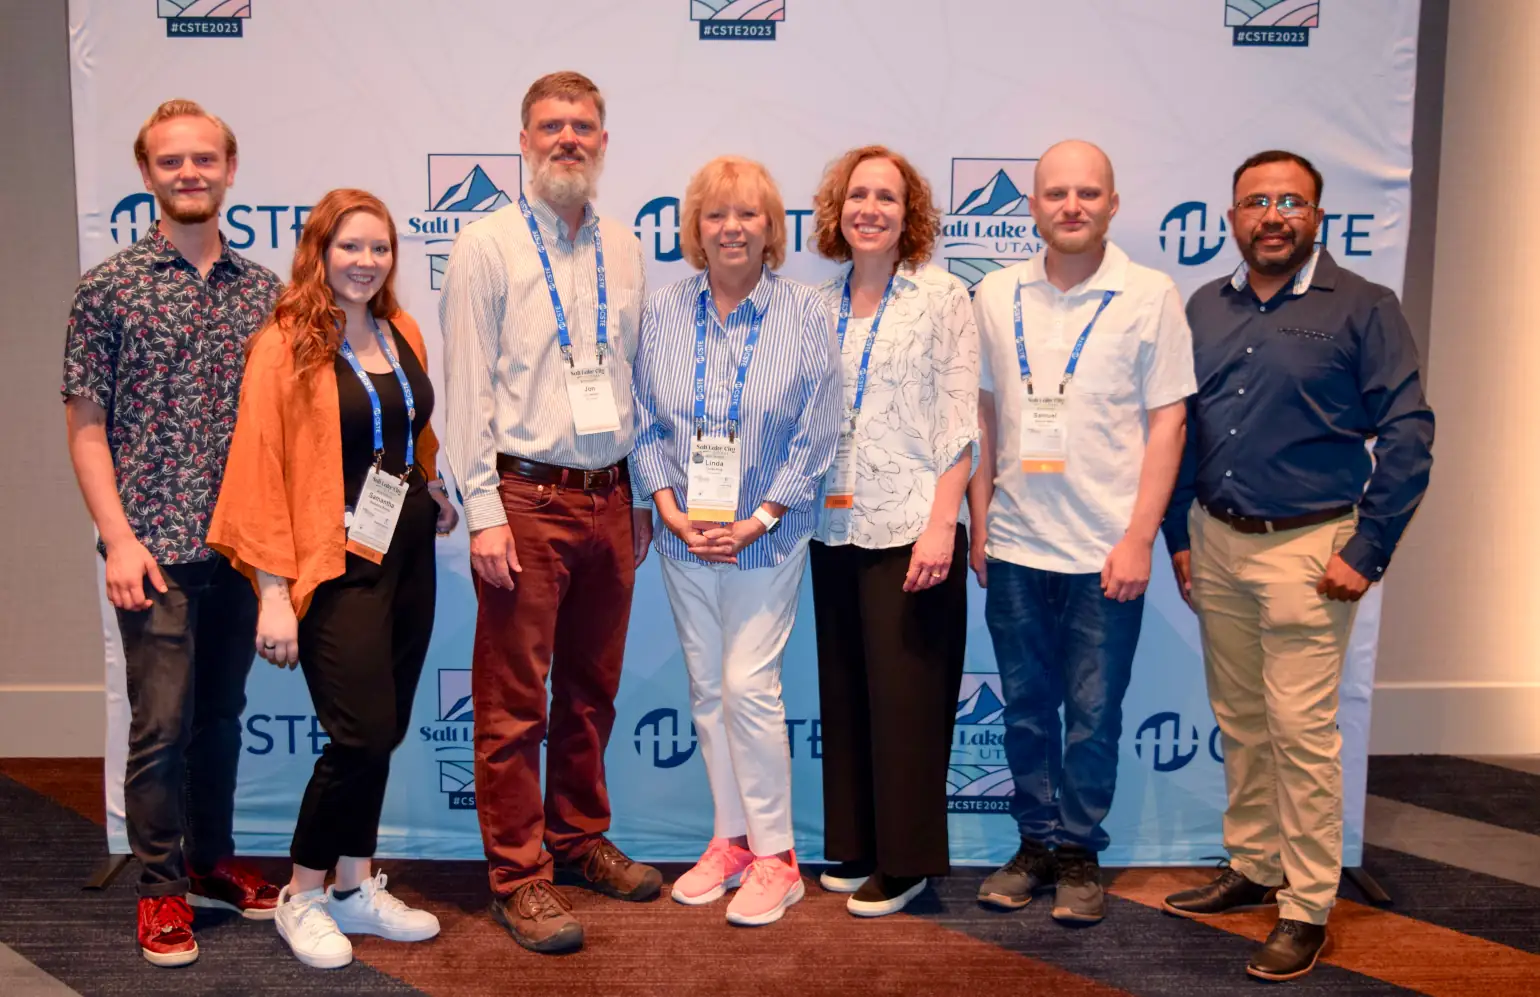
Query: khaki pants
point(1272, 652)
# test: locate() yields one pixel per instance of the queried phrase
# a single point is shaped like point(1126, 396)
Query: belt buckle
point(595, 479)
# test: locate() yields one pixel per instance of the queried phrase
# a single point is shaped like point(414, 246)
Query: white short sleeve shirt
point(1137, 358)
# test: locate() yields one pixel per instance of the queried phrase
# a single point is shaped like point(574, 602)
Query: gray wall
point(51, 652)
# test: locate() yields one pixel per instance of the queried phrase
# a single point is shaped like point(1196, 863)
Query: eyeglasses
point(1289, 205)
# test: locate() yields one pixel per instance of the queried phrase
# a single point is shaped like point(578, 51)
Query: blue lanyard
point(1074, 355)
point(374, 397)
point(871, 340)
point(563, 334)
point(734, 406)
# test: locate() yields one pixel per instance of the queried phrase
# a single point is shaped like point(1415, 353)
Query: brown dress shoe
point(539, 918)
point(605, 869)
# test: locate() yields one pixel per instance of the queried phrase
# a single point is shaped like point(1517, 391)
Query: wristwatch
point(770, 522)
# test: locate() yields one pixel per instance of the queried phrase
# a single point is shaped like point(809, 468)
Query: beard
point(565, 186)
point(185, 211)
point(1299, 252)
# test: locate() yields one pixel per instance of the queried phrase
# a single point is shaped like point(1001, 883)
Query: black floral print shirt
point(162, 349)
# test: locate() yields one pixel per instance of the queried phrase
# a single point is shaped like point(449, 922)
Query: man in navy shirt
point(1279, 524)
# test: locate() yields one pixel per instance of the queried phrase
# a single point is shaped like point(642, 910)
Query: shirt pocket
point(1307, 353)
point(1108, 365)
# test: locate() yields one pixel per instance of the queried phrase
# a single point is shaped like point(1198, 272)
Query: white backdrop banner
point(419, 103)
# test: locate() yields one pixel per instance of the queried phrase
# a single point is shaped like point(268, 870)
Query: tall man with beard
point(152, 374)
point(1087, 361)
point(1279, 524)
point(540, 310)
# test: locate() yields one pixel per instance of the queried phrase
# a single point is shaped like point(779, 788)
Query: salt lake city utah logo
point(738, 20)
point(204, 18)
point(452, 736)
point(1284, 23)
point(461, 187)
point(978, 778)
point(989, 225)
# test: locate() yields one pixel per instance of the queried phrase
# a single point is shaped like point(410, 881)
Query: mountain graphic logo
point(473, 183)
point(982, 707)
point(737, 10)
point(997, 197)
point(454, 695)
point(204, 8)
point(1273, 23)
point(204, 18)
point(476, 192)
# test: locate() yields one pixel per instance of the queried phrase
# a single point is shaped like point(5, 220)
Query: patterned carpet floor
point(1465, 921)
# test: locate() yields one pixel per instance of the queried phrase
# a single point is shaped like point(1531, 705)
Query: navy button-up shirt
point(1288, 391)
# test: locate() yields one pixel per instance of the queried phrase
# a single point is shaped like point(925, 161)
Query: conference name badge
point(713, 479)
point(839, 482)
point(374, 517)
point(593, 400)
point(1044, 431)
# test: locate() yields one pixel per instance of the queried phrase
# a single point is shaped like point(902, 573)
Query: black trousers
point(361, 646)
point(889, 669)
point(186, 660)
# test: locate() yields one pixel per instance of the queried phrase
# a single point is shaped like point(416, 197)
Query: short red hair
point(306, 309)
point(922, 222)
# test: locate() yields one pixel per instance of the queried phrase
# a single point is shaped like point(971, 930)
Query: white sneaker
point(373, 910)
point(305, 924)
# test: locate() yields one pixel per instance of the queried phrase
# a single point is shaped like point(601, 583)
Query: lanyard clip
point(1029, 385)
point(601, 350)
point(566, 354)
point(732, 431)
point(700, 429)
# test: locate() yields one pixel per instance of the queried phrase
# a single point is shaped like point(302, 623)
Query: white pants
point(733, 626)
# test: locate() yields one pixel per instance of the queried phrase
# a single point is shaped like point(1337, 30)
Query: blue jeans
point(1060, 642)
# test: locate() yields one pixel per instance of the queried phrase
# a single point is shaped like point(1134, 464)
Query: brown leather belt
point(1255, 524)
point(603, 479)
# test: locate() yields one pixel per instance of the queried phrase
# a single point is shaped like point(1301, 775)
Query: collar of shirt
point(551, 222)
point(758, 299)
point(160, 252)
point(1110, 276)
point(1319, 271)
point(904, 279)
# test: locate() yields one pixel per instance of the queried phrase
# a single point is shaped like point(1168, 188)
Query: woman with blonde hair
point(889, 556)
point(737, 396)
point(329, 504)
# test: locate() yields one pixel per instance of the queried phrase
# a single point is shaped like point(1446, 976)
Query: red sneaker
point(234, 885)
point(165, 931)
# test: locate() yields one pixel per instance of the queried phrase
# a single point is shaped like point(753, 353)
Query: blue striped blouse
point(790, 410)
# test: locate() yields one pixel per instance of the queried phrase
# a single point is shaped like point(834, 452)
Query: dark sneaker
point(234, 885)
point(606, 869)
point(846, 877)
point(165, 931)
point(539, 918)
point(883, 894)
point(1229, 892)
point(1290, 951)
point(1031, 870)
point(1077, 896)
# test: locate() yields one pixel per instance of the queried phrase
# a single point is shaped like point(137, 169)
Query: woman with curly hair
point(889, 556)
point(329, 504)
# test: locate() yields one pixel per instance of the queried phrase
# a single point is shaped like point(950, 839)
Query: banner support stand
point(1367, 885)
point(106, 872)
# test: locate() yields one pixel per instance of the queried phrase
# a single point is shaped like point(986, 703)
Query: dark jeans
point(1060, 642)
point(362, 645)
point(187, 658)
point(889, 666)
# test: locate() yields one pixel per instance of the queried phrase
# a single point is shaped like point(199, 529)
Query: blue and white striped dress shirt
point(790, 411)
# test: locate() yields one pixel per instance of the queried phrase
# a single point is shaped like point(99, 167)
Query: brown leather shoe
point(605, 869)
point(539, 918)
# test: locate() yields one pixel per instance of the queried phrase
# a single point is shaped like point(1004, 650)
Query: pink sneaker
point(719, 870)
point(769, 887)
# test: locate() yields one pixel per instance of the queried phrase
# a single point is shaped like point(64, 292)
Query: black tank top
point(358, 418)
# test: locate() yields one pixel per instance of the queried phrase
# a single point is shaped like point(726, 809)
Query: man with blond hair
point(540, 312)
point(152, 374)
point(1087, 362)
